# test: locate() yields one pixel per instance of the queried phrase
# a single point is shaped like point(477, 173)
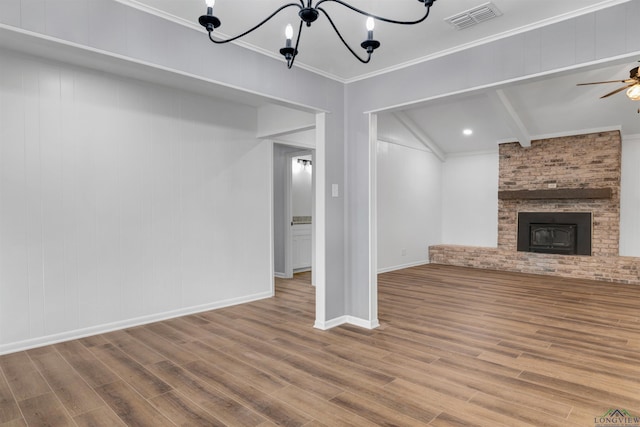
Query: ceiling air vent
point(474, 16)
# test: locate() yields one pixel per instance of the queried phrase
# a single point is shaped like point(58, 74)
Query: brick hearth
point(589, 161)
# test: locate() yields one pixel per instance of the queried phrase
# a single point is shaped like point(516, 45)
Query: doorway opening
point(299, 245)
point(300, 141)
point(294, 204)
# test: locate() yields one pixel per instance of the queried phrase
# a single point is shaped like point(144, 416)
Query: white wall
point(123, 202)
point(409, 205)
point(470, 200)
point(301, 188)
point(630, 197)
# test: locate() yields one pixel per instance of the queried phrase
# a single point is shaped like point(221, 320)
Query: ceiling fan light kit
point(309, 13)
point(632, 85)
point(634, 92)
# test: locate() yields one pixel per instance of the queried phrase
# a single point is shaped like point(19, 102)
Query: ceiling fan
point(632, 84)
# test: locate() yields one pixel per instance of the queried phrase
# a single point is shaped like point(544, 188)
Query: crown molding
point(196, 27)
point(545, 22)
point(576, 132)
point(344, 80)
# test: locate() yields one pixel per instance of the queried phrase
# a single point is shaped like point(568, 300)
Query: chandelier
point(308, 14)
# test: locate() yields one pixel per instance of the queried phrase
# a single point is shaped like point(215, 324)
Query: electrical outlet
point(403, 252)
point(552, 185)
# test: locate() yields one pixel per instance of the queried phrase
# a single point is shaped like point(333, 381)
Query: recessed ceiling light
point(467, 132)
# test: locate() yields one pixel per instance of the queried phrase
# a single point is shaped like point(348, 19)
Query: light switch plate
point(334, 190)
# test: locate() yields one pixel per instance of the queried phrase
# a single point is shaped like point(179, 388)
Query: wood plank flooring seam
point(15, 401)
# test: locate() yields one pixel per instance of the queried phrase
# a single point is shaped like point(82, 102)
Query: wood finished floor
point(456, 347)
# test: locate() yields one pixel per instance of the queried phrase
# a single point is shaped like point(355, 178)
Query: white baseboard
point(281, 275)
point(100, 329)
point(330, 323)
point(400, 267)
point(342, 320)
point(363, 323)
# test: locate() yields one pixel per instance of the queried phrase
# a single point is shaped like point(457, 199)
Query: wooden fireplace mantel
point(556, 193)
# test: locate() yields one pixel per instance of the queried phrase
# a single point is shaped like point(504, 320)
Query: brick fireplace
point(576, 174)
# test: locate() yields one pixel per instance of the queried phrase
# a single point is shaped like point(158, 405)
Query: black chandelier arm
point(379, 18)
point(293, 59)
point(344, 42)
point(260, 24)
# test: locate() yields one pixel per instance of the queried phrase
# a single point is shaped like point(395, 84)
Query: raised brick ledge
point(604, 268)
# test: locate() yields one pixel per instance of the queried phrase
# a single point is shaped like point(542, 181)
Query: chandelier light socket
point(370, 45)
point(209, 22)
point(288, 52)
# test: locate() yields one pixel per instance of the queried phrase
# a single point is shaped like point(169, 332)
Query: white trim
point(272, 251)
point(108, 327)
point(288, 255)
point(576, 132)
point(475, 153)
point(161, 13)
point(300, 144)
point(404, 144)
point(363, 323)
point(111, 55)
point(417, 102)
point(288, 131)
point(318, 229)
point(489, 39)
point(196, 27)
point(346, 80)
point(402, 266)
point(373, 220)
point(313, 231)
point(502, 102)
point(280, 275)
point(418, 133)
point(344, 320)
point(328, 324)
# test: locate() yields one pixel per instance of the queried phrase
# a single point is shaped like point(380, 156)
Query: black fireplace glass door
point(553, 238)
point(566, 233)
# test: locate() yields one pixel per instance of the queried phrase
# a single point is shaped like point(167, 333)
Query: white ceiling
point(544, 107)
point(321, 50)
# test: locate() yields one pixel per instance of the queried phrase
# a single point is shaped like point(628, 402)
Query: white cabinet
point(301, 239)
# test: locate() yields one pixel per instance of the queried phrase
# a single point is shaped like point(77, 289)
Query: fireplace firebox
point(564, 233)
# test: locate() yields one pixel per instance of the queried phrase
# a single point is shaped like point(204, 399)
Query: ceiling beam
point(504, 107)
point(420, 134)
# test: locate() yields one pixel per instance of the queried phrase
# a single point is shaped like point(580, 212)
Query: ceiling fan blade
point(610, 81)
point(617, 90)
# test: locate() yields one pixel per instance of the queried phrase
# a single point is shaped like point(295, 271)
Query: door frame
point(288, 211)
point(318, 229)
